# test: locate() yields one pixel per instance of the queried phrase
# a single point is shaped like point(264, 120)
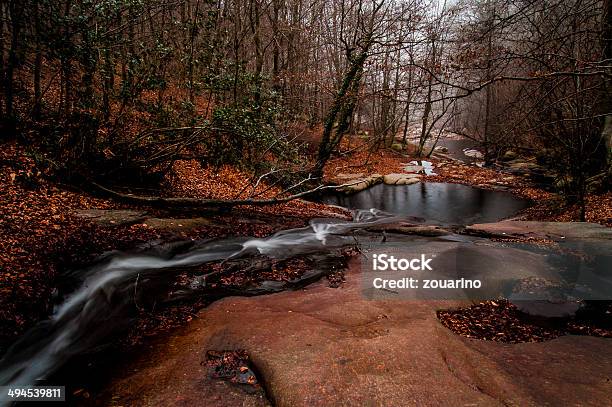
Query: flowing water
point(106, 294)
point(105, 297)
point(99, 306)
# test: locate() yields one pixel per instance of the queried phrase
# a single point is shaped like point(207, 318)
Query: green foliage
point(245, 126)
point(244, 130)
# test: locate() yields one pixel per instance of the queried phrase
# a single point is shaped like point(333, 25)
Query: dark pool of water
point(437, 203)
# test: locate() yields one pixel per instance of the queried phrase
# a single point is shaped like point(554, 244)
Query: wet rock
point(540, 297)
point(547, 230)
point(324, 346)
point(441, 149)
point(400, 179)
point(411, 229)
point(112, 217)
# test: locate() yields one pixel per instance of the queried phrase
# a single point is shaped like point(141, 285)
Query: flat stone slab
point(549, 230)
point(326, 346)
point(112, 217)
point(400, 179)
point(362, 184)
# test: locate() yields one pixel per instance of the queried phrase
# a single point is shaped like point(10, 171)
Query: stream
point(104, 295)
point(99, 307)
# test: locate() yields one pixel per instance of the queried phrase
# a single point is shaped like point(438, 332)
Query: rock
point(361, 184)
point(400, 179)
point(441, 149)
point(178, 224)
point(525, 167)
point(539, 297)
point(472, 153)
point(509, 156)
point(413, 168)
point(324, 346)
point(397, 147)
point(112, 217)
point(411, 229)
point(558, 231)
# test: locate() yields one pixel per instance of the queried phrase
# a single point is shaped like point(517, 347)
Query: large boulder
point(469, 152)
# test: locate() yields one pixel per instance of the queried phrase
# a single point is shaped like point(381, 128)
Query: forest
point(117, 91)
point(184, 169)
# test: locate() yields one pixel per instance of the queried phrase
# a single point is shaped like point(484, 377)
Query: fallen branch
point(208, 203)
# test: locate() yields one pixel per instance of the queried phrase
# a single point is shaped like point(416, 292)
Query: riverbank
point(46, 228)
point(42, 230)
point(49, 227)
point(546, 205)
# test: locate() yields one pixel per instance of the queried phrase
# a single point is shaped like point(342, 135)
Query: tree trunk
point(606, 133)
point(15, 13)
point(340, 112)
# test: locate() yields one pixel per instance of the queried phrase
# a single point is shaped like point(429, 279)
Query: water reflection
point(439, 203)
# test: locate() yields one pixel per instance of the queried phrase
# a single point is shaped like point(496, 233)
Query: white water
point(96, 309)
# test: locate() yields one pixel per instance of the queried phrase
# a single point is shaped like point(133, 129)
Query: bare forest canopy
point(118, 90)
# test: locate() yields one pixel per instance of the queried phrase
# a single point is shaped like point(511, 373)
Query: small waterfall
point(98, 308)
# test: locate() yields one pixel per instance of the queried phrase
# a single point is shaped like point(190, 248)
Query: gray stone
point(404, 228)
point(521, 166)
point(177, 224)
point(509, 155)
point(472, 153)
